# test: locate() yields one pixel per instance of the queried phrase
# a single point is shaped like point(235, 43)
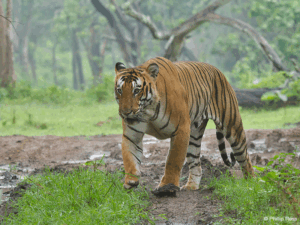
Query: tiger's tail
point(221, 144)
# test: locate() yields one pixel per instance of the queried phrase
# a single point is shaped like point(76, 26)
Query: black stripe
point(163, 127)
point(196, 138)
point(192, 155)
point(139, 149)
point(219, 135)
point(228, 134)
point(197, 88)
point(164, 62)
point(196, 164)
point(139, 161)
point(241, 161)
point(194, 144)
point(240, 153)
point(174, 133)
point(135, 129)
point(225, 159)
point(235, 144)
point(222, 146)
point(154, 117)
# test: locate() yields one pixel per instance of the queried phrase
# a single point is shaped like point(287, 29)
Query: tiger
point(175, 100)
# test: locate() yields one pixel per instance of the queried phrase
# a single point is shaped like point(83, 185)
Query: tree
point(130, 47)
point(178, 34)
point(7, 73)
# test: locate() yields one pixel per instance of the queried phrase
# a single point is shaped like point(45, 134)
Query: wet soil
point(22, 155)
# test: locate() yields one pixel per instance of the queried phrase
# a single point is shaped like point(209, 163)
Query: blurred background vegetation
point(64, 51)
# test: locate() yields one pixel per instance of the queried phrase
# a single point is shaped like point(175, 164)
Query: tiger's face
point(135, 90)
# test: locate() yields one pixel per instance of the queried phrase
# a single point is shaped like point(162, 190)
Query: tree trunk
point(92, 48)
point(9, 50)
point(7, 73)
point(32, 63)
point(116, 30)
point(102, 57)
point(23, 45)
point(3, 68)
point(54, 62)
point(74, 69)
point(77, 60)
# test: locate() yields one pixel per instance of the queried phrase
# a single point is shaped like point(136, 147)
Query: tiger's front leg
point(132, 151)
point(175, 160)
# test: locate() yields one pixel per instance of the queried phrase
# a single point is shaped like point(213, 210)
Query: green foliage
point(82, 196)
point(281, 18)
point(24, 92)
point(274, 194)
point(270, 80)
point(293, 90)
point(282, 175)
point(102, 91)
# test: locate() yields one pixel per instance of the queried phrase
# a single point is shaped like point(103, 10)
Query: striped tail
point(221, 144)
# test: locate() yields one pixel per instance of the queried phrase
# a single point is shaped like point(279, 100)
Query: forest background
point(61, 52)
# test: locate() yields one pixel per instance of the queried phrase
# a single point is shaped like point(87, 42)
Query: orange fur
point(175, 100)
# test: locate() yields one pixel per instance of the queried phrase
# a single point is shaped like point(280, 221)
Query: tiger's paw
point(131, 184)
point(168, 190)
point(190, 186)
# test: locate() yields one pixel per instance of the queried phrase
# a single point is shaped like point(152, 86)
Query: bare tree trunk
point(92, 47)
point(74, 68)
point(9, 50)
point(102, 57)
point(32, 63)
point(23, 45)
point(117, 31)
point(7, 73)
point(54, 61)
point(78, 62)
point(3, 48)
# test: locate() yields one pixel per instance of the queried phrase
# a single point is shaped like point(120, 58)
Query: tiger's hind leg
point(193, 156)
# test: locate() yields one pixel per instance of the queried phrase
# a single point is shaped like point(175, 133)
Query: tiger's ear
point(119, 66)
point(153, 70)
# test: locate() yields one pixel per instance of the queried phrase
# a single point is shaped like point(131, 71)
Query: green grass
point(267, 119)
point(253, 201)
point(67, 120)
point(72, 119)
point(80, 197)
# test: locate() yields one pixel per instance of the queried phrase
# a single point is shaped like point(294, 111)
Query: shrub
point(103, 91)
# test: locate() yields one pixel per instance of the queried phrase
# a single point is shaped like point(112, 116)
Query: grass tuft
point(82, 196)
point(263, 199)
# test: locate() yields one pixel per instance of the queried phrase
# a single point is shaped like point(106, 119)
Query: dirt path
point(21, 155)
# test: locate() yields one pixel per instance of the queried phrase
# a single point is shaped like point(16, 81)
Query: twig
point(12, 23)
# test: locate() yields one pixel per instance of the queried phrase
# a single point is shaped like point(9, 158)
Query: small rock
point(251, 145)
point(273, 137)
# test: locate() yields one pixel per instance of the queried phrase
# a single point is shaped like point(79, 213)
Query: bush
point(103, 91)
point(59, 95)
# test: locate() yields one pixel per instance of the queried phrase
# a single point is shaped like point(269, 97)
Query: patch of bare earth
point(28, 155)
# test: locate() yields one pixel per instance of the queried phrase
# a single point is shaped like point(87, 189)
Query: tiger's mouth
point(131, 120)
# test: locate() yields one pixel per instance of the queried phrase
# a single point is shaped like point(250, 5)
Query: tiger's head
point(135, 90)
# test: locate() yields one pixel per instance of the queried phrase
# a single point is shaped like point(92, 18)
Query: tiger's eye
point(119, 90)
point(136, 91)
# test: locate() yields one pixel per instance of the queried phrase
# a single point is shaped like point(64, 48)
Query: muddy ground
point(22, 155)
